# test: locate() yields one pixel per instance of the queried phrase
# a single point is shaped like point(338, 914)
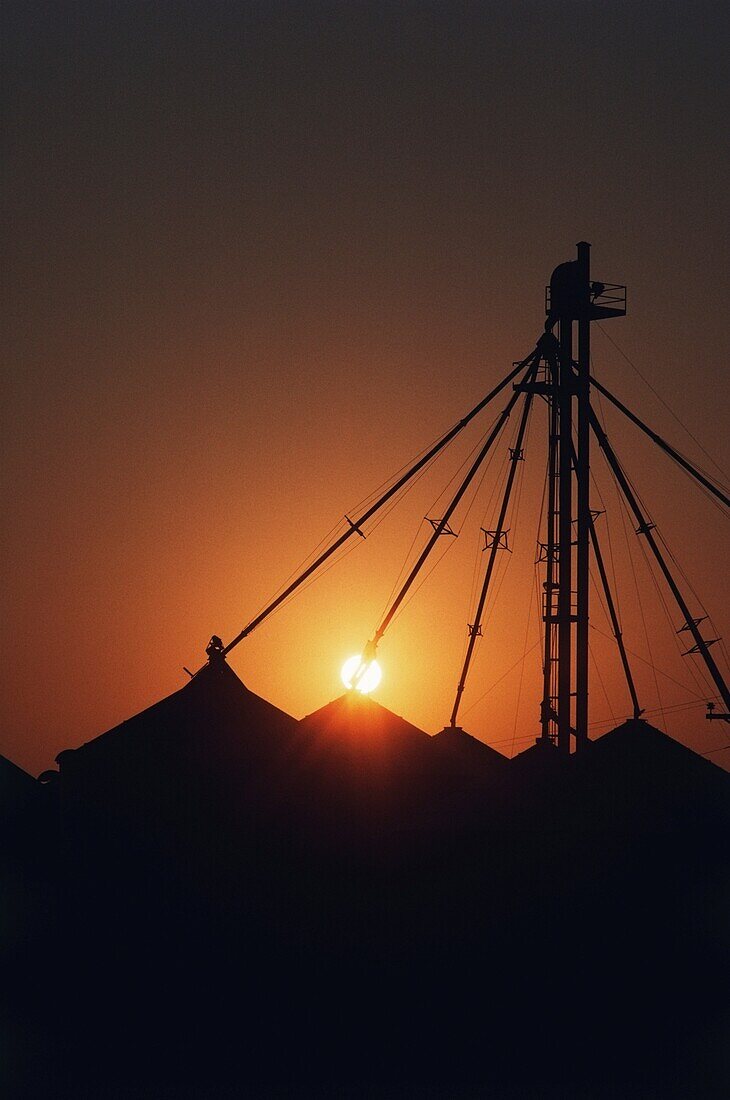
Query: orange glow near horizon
point(192, 555)
point(251, 283)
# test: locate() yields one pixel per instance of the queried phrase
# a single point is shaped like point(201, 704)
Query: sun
point(370, 678)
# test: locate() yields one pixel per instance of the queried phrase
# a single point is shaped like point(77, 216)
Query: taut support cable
point(645, 528)
point(496, 544)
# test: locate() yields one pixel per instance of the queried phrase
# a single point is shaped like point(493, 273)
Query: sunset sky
point(258, 255)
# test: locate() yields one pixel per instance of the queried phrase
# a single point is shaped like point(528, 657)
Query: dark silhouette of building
point(236, 903)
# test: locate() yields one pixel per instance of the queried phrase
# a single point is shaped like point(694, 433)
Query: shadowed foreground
point(213, 899)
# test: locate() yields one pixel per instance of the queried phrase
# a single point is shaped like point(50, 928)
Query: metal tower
point(550, 371)
point(572, 299)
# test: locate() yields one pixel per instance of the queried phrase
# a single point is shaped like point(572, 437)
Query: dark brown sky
point(258, 254)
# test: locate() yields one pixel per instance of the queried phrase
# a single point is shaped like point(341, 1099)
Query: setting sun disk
point(370, 678)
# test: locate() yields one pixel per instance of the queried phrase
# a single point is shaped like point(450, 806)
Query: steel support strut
point(475, 630)
point(662, 443)
point(644, 528)
point(616, 626)
point(355, 524)
point(439, 528)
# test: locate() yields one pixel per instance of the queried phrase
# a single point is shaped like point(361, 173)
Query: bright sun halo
point(370, 678)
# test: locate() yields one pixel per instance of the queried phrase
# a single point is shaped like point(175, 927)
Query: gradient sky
point(257, 255)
